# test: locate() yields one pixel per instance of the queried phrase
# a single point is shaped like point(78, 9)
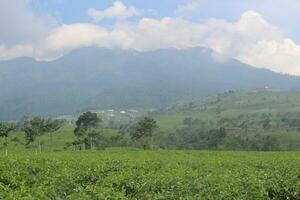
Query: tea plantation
point(138, 174)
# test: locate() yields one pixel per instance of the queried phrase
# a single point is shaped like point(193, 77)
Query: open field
point(136, 174)
point(60, 139)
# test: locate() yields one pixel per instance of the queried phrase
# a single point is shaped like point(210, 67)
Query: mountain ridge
point(100, 78)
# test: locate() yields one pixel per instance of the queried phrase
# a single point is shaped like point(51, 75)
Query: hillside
point(234, 104)
point(266, 112)
point(96, 78)
point(240, 112)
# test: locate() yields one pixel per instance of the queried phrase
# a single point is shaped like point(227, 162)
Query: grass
point(59, 140)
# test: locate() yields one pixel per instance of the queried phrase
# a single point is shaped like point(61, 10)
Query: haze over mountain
point(99, 78)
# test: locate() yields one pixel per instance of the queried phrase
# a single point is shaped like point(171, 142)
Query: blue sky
point(69, 12)
point(261, 33)
point(282, 13)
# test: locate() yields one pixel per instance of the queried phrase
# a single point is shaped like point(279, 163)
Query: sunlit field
point(137, 174)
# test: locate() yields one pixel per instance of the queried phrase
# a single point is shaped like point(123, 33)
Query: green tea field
point(137, 174)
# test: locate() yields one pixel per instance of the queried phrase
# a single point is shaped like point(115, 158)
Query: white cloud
point(19, 25)
point(254, 41)
point(251, 39)
point(280, 56)
point(21, 29)
point(15, 51)
point(73, 36)
point(117, 11)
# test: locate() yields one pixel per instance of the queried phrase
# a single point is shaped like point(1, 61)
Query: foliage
point(144, 128)
point(86, 133)
point(5, 129)
point(193, 138)
point(133, 174)
point(38, 126)
point(85, 122)
point(34, 128)
point(143, 131)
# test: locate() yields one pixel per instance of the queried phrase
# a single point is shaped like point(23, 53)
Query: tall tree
point(37, 127)
point(5, 129)
point(84, 125)
point(34, 128)
point(143, 130)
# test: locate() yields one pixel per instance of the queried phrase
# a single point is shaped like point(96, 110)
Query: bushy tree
point(37, 127)
point(94, 140)
point(5, 129)
point(85, 129)
point(143, 130)
point(216, 137)
point(86, 121)
point(34, 128)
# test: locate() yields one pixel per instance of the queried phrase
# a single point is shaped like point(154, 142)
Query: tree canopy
point(86, 121)
point(144, 128)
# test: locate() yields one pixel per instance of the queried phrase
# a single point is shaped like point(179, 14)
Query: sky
point(261, 33)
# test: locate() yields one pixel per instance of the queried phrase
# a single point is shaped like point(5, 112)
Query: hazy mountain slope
point(242, 112)
point(101, 78)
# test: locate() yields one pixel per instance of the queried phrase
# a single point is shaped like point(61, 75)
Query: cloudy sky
point(262, 33)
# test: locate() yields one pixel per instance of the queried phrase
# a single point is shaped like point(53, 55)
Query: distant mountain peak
point(100, 78)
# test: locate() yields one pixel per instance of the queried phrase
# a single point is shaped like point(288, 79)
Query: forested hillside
point(97, 78)
point(262, 120)
point(247, 116)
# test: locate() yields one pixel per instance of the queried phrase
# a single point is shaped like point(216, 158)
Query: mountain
point(98, 78)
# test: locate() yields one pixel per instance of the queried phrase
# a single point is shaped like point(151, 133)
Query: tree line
point(142, 133)
point(33, 129)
